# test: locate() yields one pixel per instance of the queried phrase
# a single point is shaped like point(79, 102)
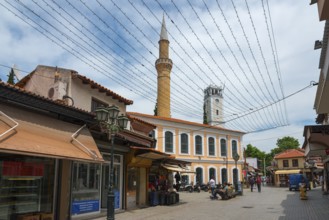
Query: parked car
point(296, 179)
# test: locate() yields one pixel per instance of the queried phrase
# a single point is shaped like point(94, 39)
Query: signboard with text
point(85, 206)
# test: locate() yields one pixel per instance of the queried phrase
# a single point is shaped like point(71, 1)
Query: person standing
point(251, 182)
point(177, 178)
point(212, 185)
point(258, 182)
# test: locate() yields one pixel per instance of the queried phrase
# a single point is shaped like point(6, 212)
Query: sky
point(261, 52)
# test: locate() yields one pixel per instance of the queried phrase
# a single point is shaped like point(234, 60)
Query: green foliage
point(287, 142)
point(254, 152)
point(284, 144)
point(11, 77)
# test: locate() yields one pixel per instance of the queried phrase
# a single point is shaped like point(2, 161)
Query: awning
point(150, 153)
point(176, 168)
point(39, 135)
point(287, 171)
point(136, 139)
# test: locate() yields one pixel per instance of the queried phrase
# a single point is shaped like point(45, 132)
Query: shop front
point(26, 185)
point(38, 156)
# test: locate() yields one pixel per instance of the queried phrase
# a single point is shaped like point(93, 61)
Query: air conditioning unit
point(57, 90)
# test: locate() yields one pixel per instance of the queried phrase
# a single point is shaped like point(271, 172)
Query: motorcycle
point(205, 187)
point(195, 187)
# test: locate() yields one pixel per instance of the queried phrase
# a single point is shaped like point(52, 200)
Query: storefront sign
point(85, 206)
point(116, 199)
point(20, 168)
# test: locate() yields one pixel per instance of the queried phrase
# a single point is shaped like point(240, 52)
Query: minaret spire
point(163, 34)
point(163, 66)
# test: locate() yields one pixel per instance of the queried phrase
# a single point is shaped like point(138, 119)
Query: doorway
point(117, 181)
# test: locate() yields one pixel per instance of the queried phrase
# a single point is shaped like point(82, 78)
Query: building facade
point(70, 88)
point(209, 149)
point(291, 161)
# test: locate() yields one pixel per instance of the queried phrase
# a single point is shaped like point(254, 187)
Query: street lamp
point(112, 124)
point(236, 157)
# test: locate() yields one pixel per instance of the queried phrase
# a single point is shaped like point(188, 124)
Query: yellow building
point(209, 148)
point(291, 161)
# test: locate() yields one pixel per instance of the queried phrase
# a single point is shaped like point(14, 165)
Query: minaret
point(213, 101)
point(163, 66)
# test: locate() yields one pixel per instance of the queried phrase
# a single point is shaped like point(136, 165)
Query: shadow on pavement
point(315, 207)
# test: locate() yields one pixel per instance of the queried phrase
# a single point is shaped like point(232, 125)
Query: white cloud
point(295, 24)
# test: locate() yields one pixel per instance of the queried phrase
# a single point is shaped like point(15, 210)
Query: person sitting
point(223, 192)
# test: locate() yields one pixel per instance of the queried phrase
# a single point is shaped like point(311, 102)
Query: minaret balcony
point(163, 61)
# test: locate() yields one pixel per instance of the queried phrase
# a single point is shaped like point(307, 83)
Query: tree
point(11, 77)
point(287, 142)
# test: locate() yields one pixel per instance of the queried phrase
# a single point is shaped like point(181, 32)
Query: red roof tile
point(291, 153)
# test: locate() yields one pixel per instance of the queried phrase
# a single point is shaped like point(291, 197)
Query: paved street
point(271, 203)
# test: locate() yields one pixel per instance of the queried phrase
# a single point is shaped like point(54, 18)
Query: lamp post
point(112, 124)
point(236, 157)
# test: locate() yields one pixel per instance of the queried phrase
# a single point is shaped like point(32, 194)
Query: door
point(132, 188)
point(117, 182)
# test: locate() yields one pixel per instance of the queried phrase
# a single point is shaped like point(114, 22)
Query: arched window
point(199, 175)
point(184, 143)
point(223, 147)
point(198, 145)
point(235, 176)
point(169, 142)
point(234, 147)
point(211, 146)
point(224, 175)
point(212, 173)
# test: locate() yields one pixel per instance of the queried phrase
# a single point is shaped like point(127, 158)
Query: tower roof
point(163, 34)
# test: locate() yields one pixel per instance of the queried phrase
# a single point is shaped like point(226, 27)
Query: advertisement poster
point(86, 206)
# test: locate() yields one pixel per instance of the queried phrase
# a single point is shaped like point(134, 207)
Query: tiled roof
point(291, 153)
point(101, 88)
point(136, 114)
point(140, 120)
point(20, 95)
point(84, 80)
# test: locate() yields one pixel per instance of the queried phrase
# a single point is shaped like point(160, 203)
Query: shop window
point(223, 147)
point(285, 163)
point(26, 185)
point(198, 145)
point(211, 146)
point(85, 187)
point(169, 142)
point(234, 148)
point(295, 162)
point(184, 143)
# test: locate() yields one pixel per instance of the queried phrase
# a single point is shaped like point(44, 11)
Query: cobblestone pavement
point(271, 203)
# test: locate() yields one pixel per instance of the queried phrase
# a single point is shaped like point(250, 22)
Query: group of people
point(255, 180)
point(221, 191)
